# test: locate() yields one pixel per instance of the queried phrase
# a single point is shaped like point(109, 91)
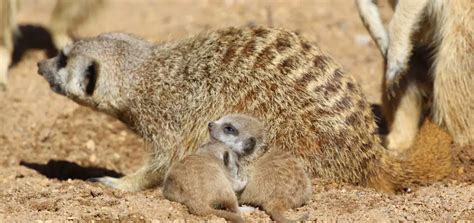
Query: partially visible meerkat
point(205, 181)
point(429, 50)
point(277, 181)
point(67, 16)
point(165, 91)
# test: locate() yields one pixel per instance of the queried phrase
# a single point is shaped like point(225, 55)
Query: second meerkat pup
point(206, 180)
point(429, 51)
point(277, 181)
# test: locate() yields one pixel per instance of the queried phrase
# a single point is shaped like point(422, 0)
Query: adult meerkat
point(66, 17)
point(277, 180)
point(206, 180)
point(166, 91)
point(429, 50)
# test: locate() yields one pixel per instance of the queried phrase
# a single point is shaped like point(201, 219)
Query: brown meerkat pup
point(277, 181)
point(67, 16)
point(165, 91)
point(205, 181)
point(429, 52)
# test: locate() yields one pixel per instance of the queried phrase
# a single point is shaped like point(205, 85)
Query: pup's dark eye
point(62, 60)
point(229, 129)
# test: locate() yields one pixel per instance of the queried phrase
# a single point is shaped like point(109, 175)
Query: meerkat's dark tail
point(428, 160)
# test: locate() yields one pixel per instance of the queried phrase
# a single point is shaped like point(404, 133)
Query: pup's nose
point(210, 124)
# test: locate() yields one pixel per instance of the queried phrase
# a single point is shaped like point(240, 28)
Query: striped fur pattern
point(168, 92)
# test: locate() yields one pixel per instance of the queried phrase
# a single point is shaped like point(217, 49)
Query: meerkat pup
point(205, 181)
point(67, 16)
point(277, 181)
point(429, 53)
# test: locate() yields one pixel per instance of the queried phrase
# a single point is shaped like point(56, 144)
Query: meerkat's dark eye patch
point(225, 157)
point(91, 78)
point(249, 145)
point(62, 60)
point(230, 129)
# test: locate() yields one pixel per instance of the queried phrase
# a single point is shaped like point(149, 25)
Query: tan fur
point(444, 32)
point(165, 92)
point(67, 16)
point(421, 165)
point(277, 180)
point(202, 182)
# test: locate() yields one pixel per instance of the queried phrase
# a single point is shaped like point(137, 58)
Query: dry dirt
point(49, 145)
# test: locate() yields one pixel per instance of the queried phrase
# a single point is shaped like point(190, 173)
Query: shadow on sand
point(64, 170)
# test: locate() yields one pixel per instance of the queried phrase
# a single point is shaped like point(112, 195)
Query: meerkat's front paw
point(61, 40)
point(116, 183)
point(239, 185)
point(394, 72)
point(109, 181)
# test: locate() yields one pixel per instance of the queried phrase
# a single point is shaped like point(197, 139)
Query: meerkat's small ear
point(249, 145)
point(225, 157)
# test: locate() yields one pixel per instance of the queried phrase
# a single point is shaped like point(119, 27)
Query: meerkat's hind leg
point(403, 25)
point(201, 209)
point(276, 208)
point(142, 179)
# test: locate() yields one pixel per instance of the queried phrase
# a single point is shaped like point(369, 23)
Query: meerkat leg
point(275, 209)
point(202, 209)
point(142, 179)
point(369, 13)
point(404, 23)
point(405, 118)
point(5, 59)
point(404, 109)
point(453, 97)
point(69, 15)
point(8, 10)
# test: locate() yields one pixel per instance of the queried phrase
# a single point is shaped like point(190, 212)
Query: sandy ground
point(49, 145)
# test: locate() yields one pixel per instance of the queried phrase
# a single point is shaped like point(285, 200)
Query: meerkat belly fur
point(442, 32)
point(206, 180)
point(166, 91)
point(277, 180)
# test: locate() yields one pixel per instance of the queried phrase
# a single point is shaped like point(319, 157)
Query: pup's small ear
point(225, 157)
point(249, 145)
